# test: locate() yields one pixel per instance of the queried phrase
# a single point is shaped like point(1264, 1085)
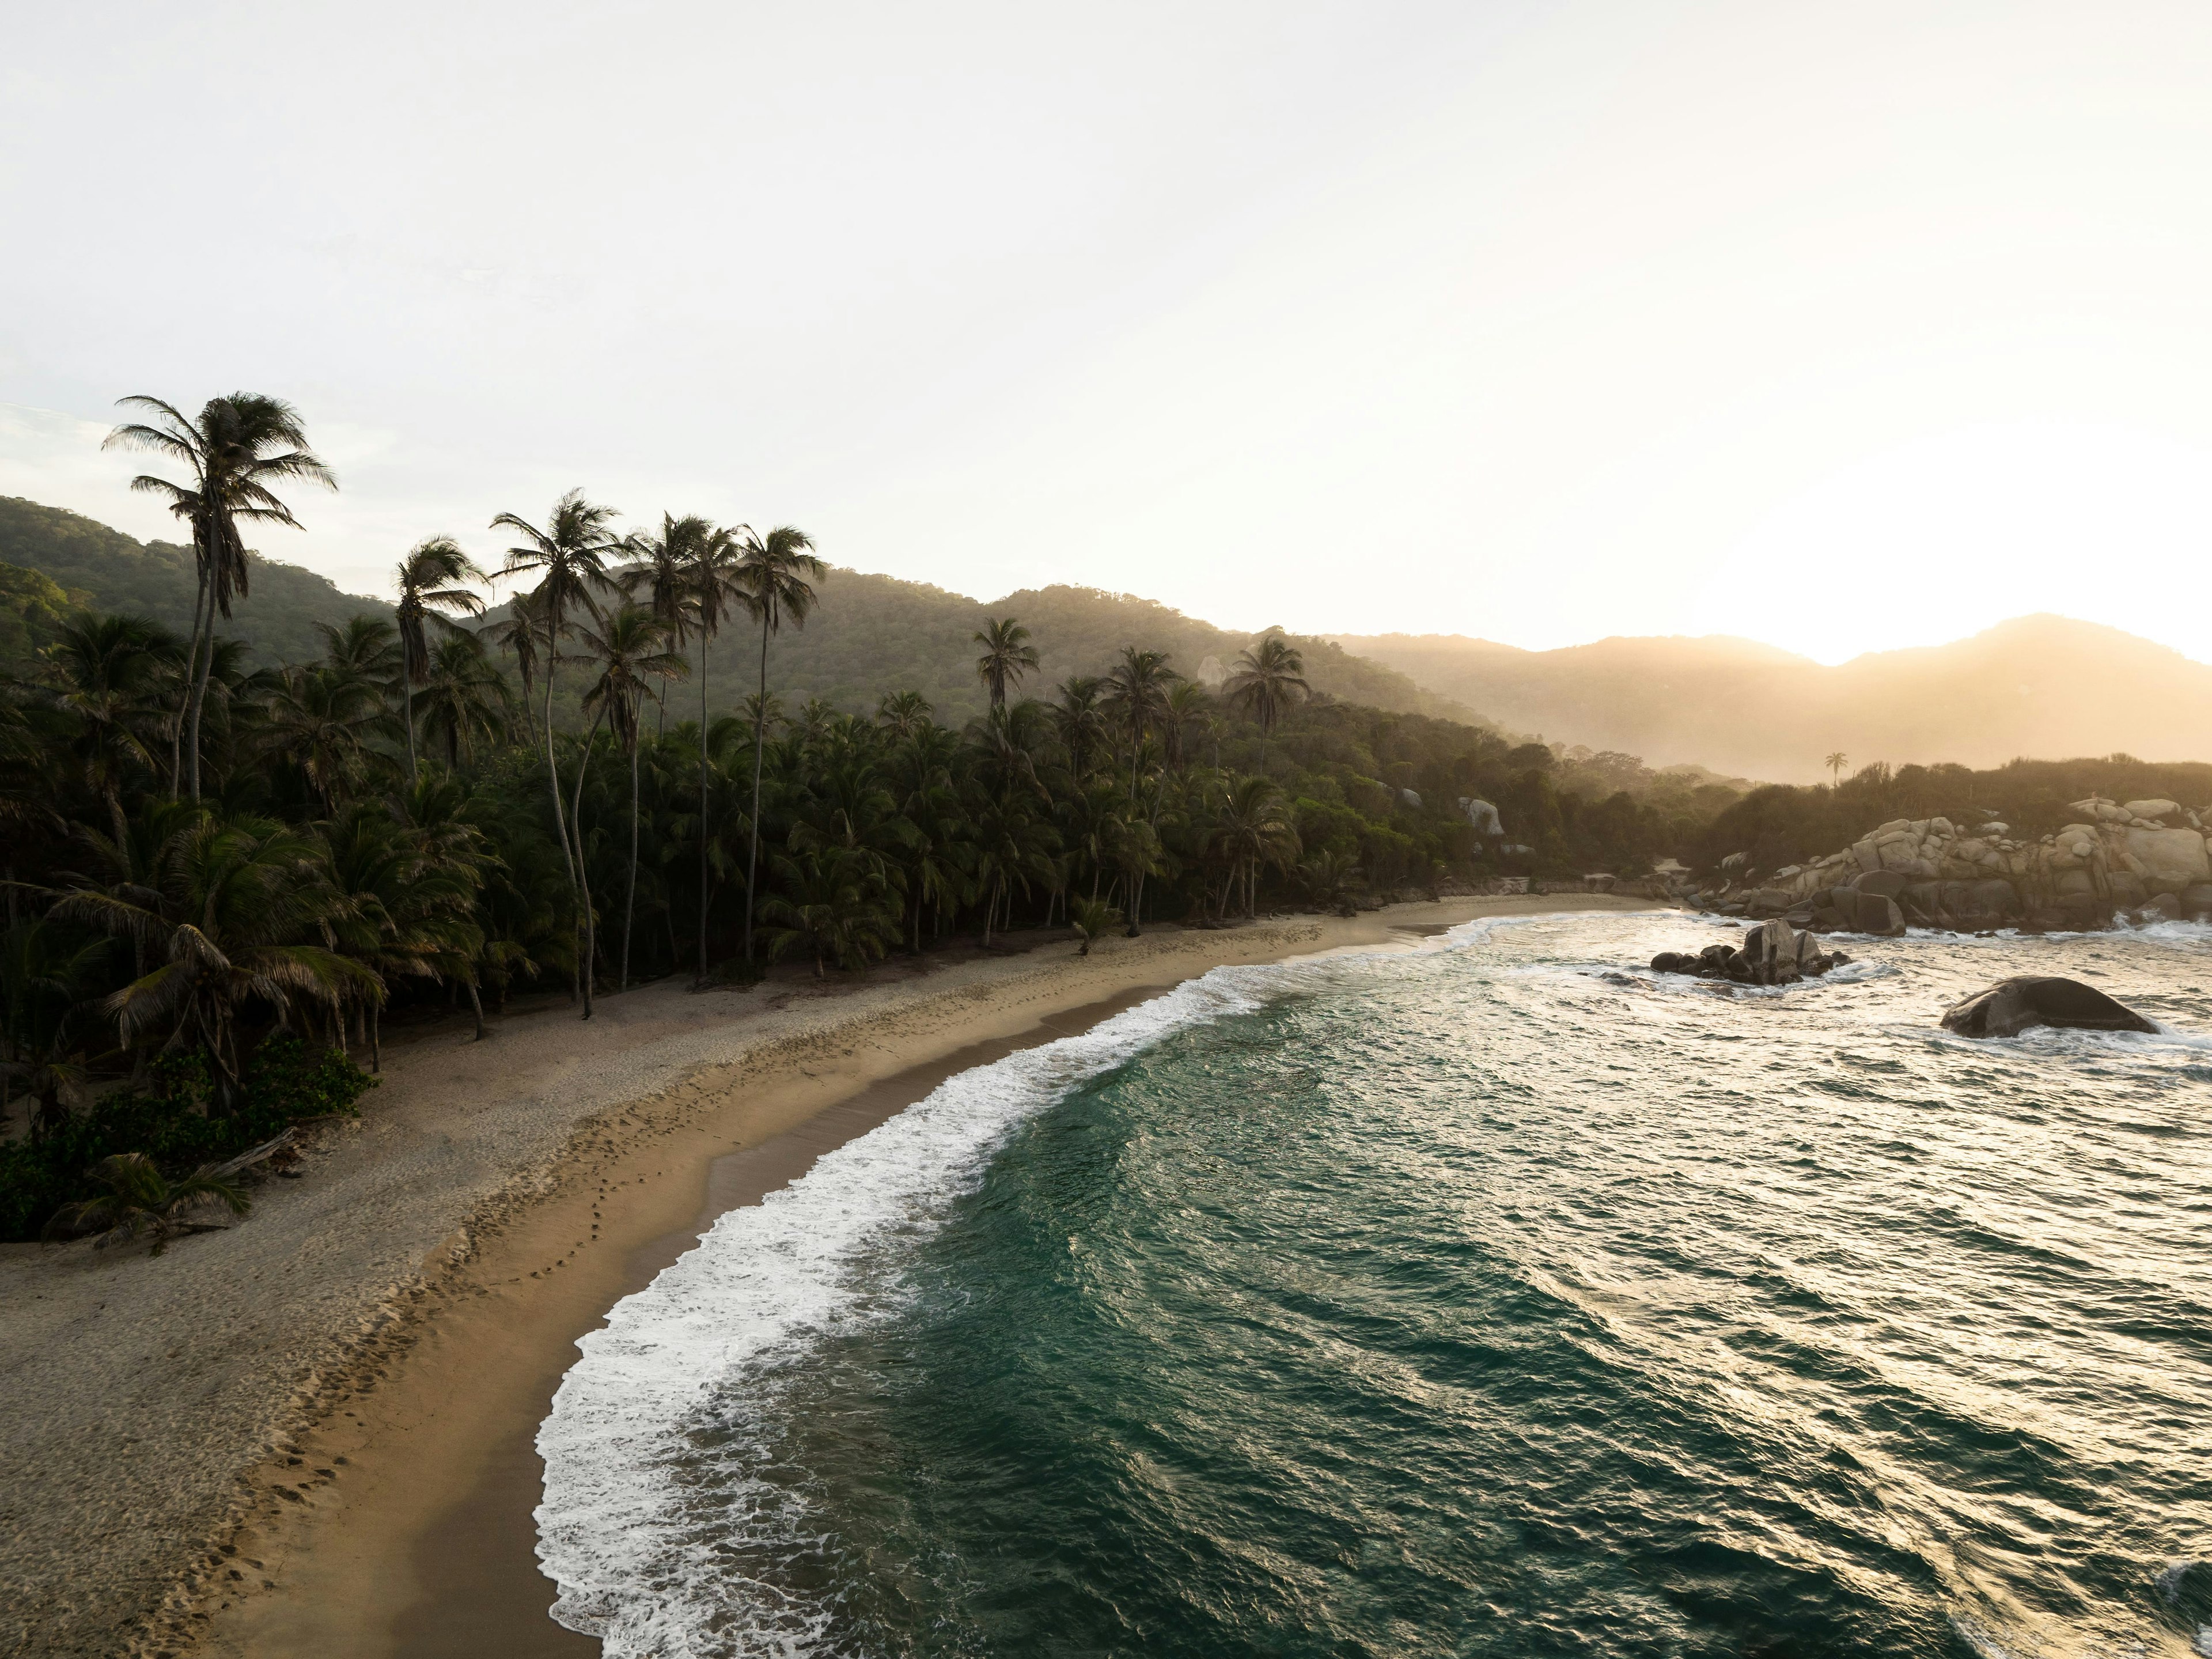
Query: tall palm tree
point(1137, 689)
point(710, 590)
point(568, 557)
point(1252, 828)
point(1078, 720)
point(1835, 763)
point(630, 648)
point(1189, 705)
point(427, 581)
point(666, 569)
point(776, 572)
point(1007, 656)
point(240, 445)
point(1269, 677)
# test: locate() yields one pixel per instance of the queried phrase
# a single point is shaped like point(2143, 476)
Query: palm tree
point(1137, 688)
point(225, 908)
point(102, 671)
point(629, 650)
point(776, 573)
point(426, 578)
point(1269, 677)
point(904, 713)
point(568, 557)
point(1189, 704)
point(1252, 828)
point(140, 1199)
point(666, 569)
point(839, 908)
point(464, 698)
point(322, 721)
point(1078, 720)
point(710, 591)
point(239, 447)
point(1092, 919)
point(522, 636)
point(1007, 656)
point(1835, 763)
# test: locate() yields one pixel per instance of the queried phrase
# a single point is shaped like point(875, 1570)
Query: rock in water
point(2013, 1005)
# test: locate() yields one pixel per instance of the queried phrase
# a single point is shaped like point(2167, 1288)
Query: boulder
point(2196, 902)
point(1885, 884)
point(1766, 902)
point(2161, 906)
point(2151, 809)
point(2013, 1005)
point(2172, 860)
point(1673, 962)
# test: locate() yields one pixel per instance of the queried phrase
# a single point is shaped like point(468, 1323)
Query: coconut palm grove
point(224, 879)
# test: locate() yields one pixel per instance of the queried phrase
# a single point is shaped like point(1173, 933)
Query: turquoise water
point(1481, 1299)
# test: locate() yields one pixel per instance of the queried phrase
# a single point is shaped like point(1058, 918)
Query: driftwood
point(254, 1155)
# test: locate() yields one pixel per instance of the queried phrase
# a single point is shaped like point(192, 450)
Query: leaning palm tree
point(568, 557)
point(631, 651)
point(140, 1199)
point(427, 579)
point(240, 445)
point(1270, 676)
point(223, 911)
point(1007, 656)
point(776, 572)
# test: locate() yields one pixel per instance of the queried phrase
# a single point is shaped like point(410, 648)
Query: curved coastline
point(338, 1471)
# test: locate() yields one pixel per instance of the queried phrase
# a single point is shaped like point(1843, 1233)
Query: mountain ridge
point(2037, 684)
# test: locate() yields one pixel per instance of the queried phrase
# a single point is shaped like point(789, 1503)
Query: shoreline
point(334, 1405)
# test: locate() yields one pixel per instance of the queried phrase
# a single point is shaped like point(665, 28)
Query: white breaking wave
point(613, 1531)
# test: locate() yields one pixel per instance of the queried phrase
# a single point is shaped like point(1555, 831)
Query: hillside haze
point(868, 635)
point(2039, 685)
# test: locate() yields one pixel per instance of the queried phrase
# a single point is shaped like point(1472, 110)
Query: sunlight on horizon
point(1842, 332)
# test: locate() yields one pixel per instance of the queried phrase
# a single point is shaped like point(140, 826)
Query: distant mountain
point(2045, 686)
point(869, 634)
point(110, 571)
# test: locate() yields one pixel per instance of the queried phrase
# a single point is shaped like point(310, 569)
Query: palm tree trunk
point(199, 696)
point(553, 783)
point(407, 700)
point(476, 1007)
point(629, 902)
point(760, 738)
point(375, 1041)
point(583, 877)
point(705, 644)
point(184, 700)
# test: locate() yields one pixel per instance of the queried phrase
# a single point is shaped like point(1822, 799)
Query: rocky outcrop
point(2013, 1005)
point(1772, 953)
point(2146, 858)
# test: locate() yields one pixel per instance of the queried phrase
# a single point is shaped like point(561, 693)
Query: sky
point(1843, 327)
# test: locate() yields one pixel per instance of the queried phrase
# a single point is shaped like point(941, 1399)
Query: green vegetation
point(1785, 823)
point(223, 873)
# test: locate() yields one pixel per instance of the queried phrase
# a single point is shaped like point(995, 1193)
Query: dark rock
point(2161, 906)
point(1827, 920)
point(2197, 901)
point(1673, 962)
point(2013, 1005)
point(1885, 884)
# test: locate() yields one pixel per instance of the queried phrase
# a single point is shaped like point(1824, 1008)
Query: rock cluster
point(2012, 1005)
point(2148, 858)
point(1772, 953)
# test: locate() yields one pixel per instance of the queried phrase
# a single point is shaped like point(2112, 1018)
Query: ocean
point(1494, 1296)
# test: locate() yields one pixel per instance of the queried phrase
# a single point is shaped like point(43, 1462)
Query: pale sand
point(334, 1401)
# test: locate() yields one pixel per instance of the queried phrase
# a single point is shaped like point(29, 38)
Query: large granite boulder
point(1864, 912)
point(2172, 860)
point(2013, 1005)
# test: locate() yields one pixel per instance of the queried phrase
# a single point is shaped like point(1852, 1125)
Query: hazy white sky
point(1840, 326)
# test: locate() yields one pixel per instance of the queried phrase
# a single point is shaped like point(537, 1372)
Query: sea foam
point(613, 1532)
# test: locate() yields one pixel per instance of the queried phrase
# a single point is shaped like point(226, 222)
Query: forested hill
point(110, 571)
point(874, 634)
point(869, 634)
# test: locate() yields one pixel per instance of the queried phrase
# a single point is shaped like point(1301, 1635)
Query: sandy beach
point(312, 1434)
